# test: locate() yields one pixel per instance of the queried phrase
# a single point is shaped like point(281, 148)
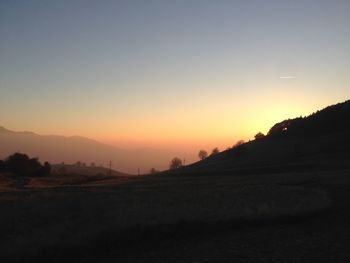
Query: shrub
point(20, 164)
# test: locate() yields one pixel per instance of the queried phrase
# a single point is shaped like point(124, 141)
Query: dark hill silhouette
point(335, 118)
point(316, 142)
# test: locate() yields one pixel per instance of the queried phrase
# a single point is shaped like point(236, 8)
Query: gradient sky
point(169, 73)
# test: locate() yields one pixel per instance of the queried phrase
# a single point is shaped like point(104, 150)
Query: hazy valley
point(70, 150)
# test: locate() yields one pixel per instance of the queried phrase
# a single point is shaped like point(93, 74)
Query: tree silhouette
point(259, 135)
point(202, 154)
point(239, 143)
point(175, 163)
point(215, 151)
point(20, 164)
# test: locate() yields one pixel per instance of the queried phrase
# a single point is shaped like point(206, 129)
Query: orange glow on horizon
point(210, 122)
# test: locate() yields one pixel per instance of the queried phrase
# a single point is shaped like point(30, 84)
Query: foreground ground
point(290, 217)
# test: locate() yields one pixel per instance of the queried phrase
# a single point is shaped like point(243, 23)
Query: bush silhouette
point(21, 165)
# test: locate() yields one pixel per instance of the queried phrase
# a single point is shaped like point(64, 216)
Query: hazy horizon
point(174, 75)
point(143, 158)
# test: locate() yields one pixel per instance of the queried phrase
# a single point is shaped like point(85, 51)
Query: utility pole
point(184, 161)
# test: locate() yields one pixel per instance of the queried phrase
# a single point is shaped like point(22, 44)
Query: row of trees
point(21, 165)
point(202, 154)
point(176, 162)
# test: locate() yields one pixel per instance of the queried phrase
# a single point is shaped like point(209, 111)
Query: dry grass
point(37, 220)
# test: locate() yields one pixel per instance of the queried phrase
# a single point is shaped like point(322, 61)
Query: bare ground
point(301, 217)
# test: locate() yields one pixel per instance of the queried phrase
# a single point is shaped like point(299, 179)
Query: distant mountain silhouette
point(317, 142)
point(57, 149)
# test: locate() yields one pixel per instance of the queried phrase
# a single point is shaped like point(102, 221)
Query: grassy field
point(79, 217)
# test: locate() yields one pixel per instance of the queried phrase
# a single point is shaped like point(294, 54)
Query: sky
point(170, 74)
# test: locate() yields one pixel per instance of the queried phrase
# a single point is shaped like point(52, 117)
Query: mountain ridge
point(70, 149)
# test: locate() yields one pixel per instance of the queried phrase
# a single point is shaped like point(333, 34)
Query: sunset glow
point(180, 75)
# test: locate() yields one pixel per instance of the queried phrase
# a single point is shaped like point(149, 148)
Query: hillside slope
point(317, 142)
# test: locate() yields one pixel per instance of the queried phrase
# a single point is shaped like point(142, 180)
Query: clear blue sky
point(146, 73)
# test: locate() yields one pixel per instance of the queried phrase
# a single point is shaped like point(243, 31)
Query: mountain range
point(58, 149)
